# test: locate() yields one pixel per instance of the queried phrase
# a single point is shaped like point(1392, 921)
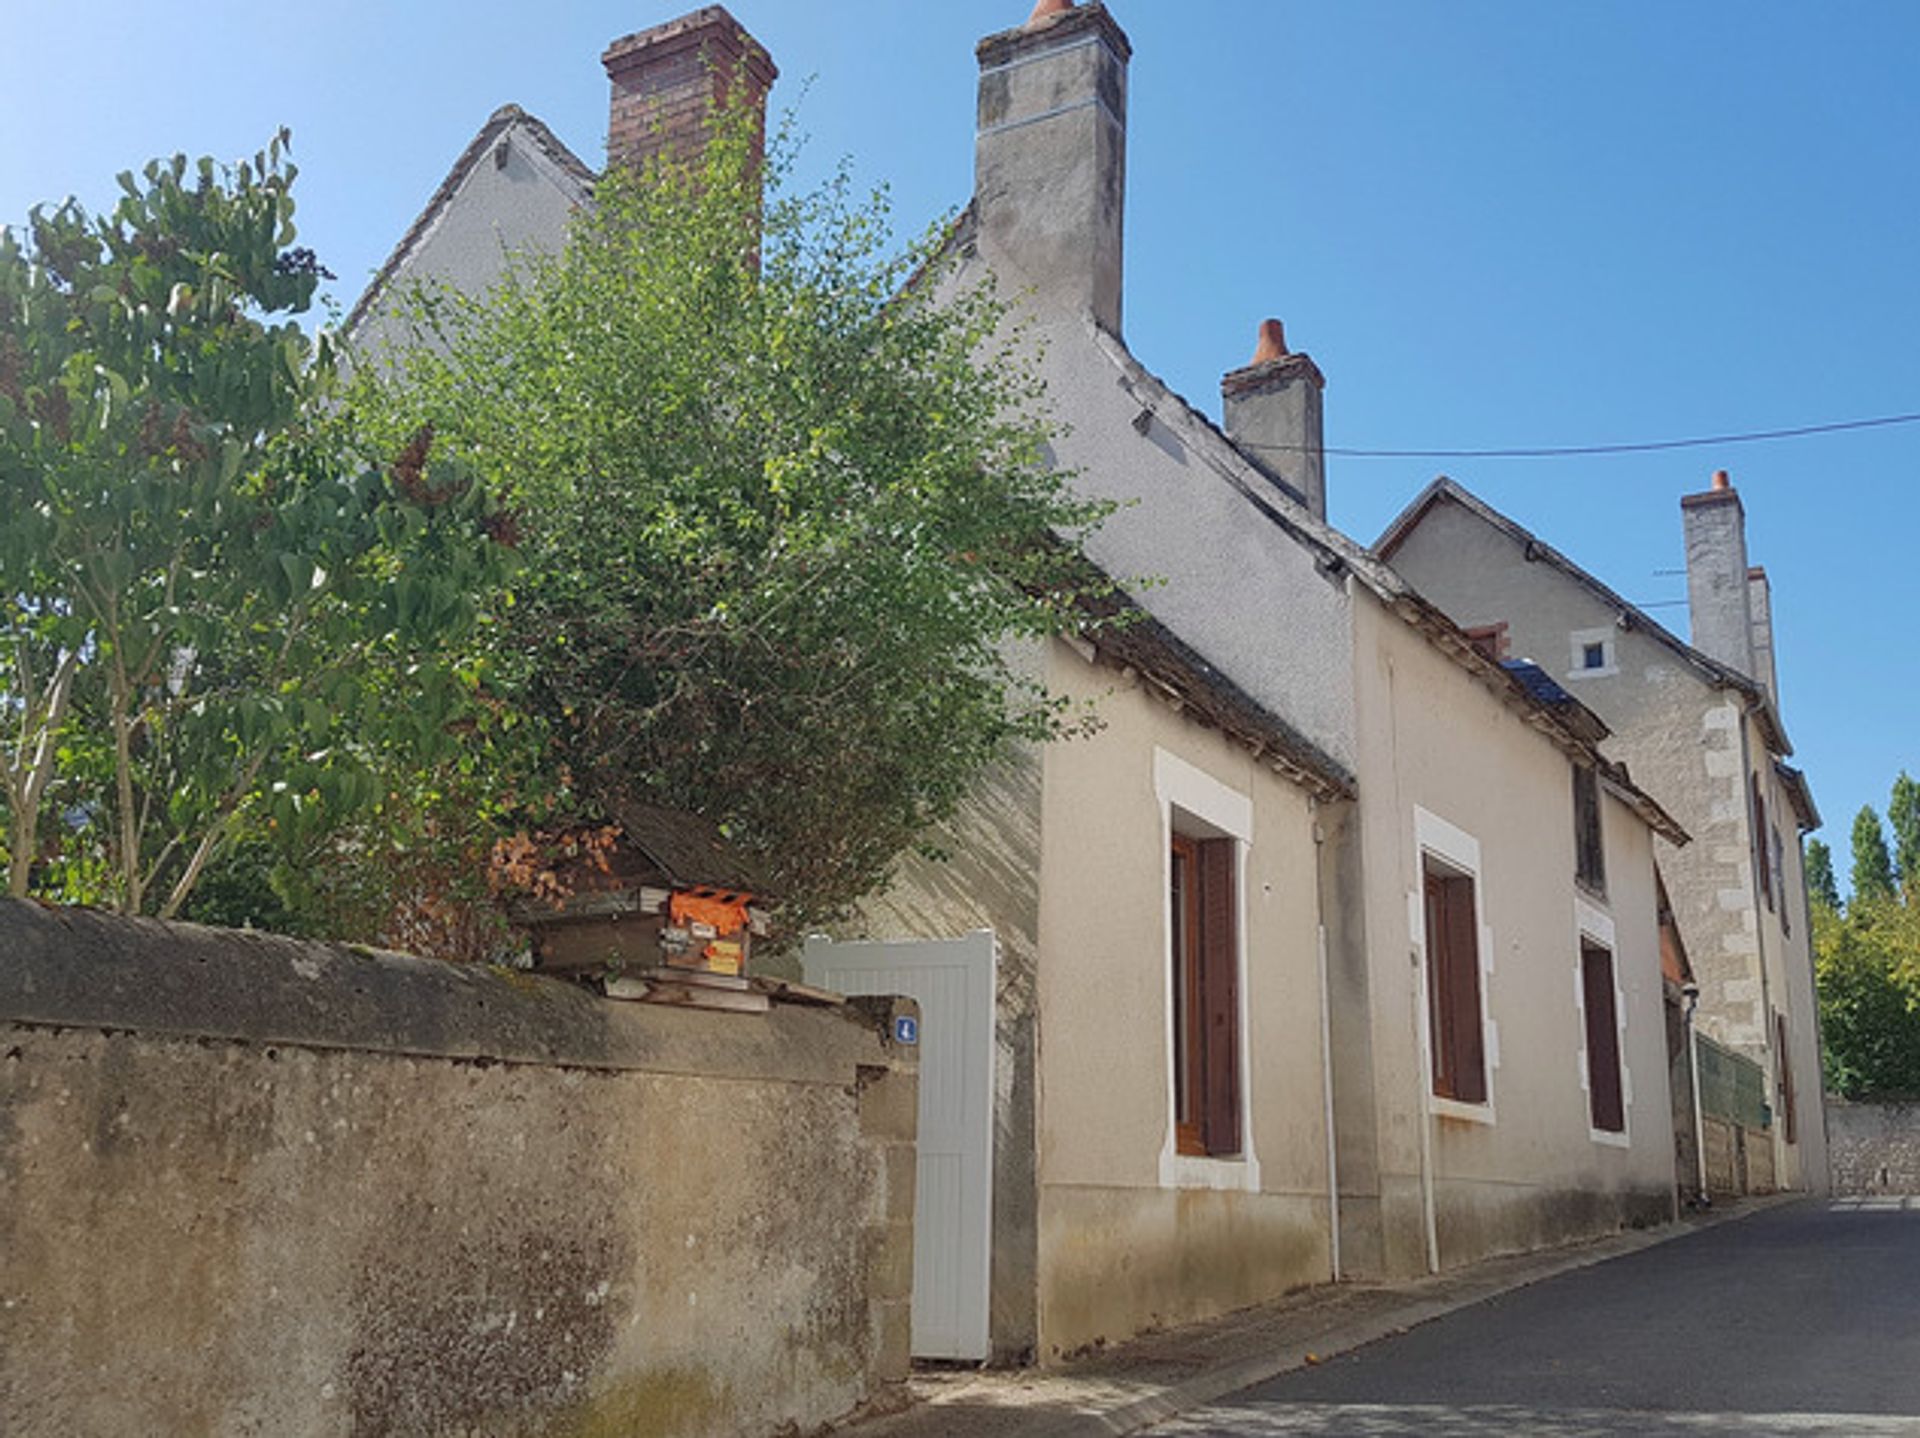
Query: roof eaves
point(1614, 779)
point(498, 123)
point(1137, 643)
point(1800, 793)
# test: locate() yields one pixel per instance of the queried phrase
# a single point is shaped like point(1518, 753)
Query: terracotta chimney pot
point(1720, 480)
point(1272, 344)
point(1046, 9)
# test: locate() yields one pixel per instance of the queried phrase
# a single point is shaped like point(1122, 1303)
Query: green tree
point(1903, 815)
point(1872, 866)
point(1821, 884)
point(1869, 999)
point(785, 502)
point(216, 611)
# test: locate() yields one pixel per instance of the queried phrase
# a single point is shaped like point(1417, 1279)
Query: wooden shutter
point(1463, 946)
point(1786, 1076)
point(1453, 989)
point(1604, 1092)
point(1219, 998)
point(1760, 841)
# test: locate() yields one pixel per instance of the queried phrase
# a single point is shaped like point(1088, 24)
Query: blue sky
point(1492, 224)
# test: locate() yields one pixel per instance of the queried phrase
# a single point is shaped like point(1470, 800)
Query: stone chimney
point(1717, 583)
point(1760, 608)
point(1272, 411)
point(666, 81)
point(1050, 156)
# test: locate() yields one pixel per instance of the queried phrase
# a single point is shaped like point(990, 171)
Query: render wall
point(249, 1185)
point(1132, 1234)
point(987, 876)
point(1693, 747)
point(1528, 1170)
point(1185, 542)
point(497, 211)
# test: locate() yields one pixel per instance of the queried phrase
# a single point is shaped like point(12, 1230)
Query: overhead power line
point(1556, 451)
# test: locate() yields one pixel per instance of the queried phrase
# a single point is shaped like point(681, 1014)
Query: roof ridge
point(504, 117)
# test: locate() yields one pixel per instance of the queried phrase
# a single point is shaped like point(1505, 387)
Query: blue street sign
point(906, 1029)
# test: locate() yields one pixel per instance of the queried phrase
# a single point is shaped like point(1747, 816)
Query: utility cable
point(1560, 451)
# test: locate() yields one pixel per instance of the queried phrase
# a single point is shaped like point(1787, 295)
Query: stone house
point(1699, 723)
point(1336, 951)
point(1472, 913)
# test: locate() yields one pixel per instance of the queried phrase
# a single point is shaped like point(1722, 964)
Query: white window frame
point(1595, 926)
point(1179, 785)
point(1577, 643)
point(1456, 849)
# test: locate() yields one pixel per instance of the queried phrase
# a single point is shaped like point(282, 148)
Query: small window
point(1590, 864)
point(1490, 640)
point(1206, 1001)
point(1590, 653)
point(1453, 988)
point(1606, 1098)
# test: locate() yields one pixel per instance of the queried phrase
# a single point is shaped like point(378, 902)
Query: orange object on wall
point(725, 909)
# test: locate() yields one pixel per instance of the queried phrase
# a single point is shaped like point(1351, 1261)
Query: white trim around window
point(1229, 814)
point(1577, 643)
point(1593, 925)
point(1456, 849)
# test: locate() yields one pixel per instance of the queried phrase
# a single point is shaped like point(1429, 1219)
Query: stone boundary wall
point(1874, 1147)
point(250, 1185)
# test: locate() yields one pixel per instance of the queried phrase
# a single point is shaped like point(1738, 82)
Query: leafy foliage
point(784, 502)
point(1867, 959)
point(1822, 887)
point(1903, 814)
point(218, 614)
point(1872, 866)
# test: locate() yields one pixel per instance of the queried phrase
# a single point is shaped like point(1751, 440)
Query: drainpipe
point(1326, 1042)
point(1425, 1112)
point(1691, 993)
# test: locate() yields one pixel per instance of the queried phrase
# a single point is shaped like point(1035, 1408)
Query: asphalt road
point(1801, 1319)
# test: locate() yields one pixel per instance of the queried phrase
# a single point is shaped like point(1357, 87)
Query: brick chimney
point(1717, 583)
point(666, 80)
point(1272, 411)
point(1760, 608)
point(1050, 156)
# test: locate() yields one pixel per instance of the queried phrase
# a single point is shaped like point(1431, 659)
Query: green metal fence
point(1732, 1086)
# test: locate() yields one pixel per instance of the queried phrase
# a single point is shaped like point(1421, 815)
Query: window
point(1606, 1098)
point(1784, 1066)
point(1590, 864)
point(1780, 880)
point(1206, 1002)
point(1490, 640)
point(1764, 860)
point(1591, 653)
point(1453, 987)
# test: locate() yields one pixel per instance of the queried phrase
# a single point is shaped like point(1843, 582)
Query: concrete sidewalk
point(1153, 1378)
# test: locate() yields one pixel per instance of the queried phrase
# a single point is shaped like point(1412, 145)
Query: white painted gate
point(952, 980)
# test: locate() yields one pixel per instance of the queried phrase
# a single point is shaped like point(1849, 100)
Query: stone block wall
point(1874, 1147)
point(249, 1185)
